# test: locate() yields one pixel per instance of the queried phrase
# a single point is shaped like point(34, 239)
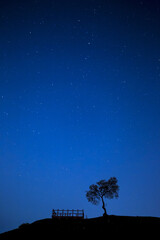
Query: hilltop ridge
point(116, 225)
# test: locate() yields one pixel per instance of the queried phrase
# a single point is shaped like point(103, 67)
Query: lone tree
point(103, 189)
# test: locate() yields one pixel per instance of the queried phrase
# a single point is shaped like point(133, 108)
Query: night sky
point(79, 102)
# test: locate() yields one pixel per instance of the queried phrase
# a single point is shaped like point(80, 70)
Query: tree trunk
point(103, 206)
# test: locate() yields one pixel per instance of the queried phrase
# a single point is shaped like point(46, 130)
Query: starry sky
point(79, 102)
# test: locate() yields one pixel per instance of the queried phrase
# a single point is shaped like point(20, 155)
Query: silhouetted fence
point(67, 213)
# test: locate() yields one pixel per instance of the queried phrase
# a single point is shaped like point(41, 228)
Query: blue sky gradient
point(79, 102)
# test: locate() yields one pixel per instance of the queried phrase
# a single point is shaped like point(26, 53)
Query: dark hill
point(115, 225)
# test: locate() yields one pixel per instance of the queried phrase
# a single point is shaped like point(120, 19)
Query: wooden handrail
point(67, 213)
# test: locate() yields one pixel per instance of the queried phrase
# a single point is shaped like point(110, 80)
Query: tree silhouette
point(103, 189)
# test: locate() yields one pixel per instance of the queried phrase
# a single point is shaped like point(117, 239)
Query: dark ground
point(114, 226)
